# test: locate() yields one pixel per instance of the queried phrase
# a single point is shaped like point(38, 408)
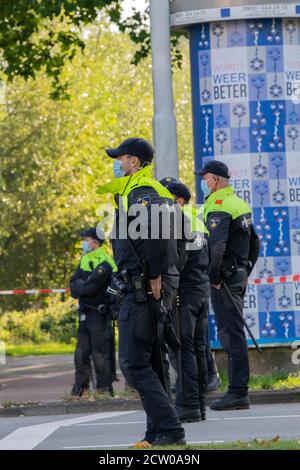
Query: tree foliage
point(52, 155)
point(24, 51)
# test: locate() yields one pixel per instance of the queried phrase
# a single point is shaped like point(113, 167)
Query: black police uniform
point(139, 356)
point(94, 331)
point(194, 292)
point(234, 249)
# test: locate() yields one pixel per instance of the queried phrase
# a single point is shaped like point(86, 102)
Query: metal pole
point(164, 121)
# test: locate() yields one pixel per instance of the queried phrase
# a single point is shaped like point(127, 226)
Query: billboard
point(246, 112)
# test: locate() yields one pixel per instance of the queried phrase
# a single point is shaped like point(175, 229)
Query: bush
point(56, 322)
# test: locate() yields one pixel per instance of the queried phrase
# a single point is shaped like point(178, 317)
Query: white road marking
point(110, 424)
point(130, 422)
point(205, 442)
point(263, 417)
point(27, 438)
point(108, 446)
point(209, 419)
point(37, 376)
point(35, 366)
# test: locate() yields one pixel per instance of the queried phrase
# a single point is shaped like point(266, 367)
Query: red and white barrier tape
point(276, 280)
point(261, 282)
point(33, 291)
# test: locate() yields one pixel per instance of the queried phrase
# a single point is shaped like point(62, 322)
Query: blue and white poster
point(246, 112)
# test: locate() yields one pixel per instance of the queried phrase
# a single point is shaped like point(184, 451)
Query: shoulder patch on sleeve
point(246, 221)
point(145, 200)
point(214, 222)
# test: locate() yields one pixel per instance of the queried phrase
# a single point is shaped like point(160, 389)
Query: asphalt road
point(112, 430)
point(38, 378)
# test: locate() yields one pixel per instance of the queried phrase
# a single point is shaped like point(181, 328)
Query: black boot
point(231, 401)
point(202, 408)
point(78, 391)
point(106, 391)
point(166, 440)
point(214, 381)
point(187, 415)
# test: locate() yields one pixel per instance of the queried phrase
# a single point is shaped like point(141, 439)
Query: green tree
point(25, 51)
point(52, 155)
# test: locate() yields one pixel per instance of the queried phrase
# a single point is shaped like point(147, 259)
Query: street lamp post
point(164, 121)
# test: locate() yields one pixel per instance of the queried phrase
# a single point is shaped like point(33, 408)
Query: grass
point(42, 349)
point(257, 444)
point(11, 404)
point(93, 396)
point(274, 381)
point(292, 381)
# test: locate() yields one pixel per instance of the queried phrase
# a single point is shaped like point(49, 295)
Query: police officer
point(194, 291)
point(89, 284)
point(139, 356)
point(234, 249)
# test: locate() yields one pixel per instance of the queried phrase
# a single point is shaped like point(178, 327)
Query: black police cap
point(93, 232)
point(134, 146)
point(177, 188)
point(216, 168)
point(166, 181)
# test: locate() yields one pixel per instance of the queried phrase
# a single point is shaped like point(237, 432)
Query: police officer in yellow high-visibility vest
point(234, 249)
point(88, 284)
point(193, 295)
point(138, 354)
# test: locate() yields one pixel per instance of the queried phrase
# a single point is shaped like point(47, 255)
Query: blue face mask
point(118, 172)
point(205, 189)
point(86, 247)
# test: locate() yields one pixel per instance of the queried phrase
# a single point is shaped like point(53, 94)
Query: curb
point(123, 404)
point(62, 407)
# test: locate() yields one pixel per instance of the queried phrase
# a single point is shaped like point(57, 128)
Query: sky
point(138, 4)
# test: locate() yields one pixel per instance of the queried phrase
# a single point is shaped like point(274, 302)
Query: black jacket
point(158, 251)
point(193, 260)
point(231, 238)
point(90, 286)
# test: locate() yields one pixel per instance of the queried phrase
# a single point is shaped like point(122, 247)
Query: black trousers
point(231, 331)
point(210, 358)
point(139, 363)
point(94, 342)
point(193, 315)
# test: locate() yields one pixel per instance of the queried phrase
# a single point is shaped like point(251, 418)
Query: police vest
point(91, 260)
point(225, 200)
point(192, 213)
point(123, 186)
